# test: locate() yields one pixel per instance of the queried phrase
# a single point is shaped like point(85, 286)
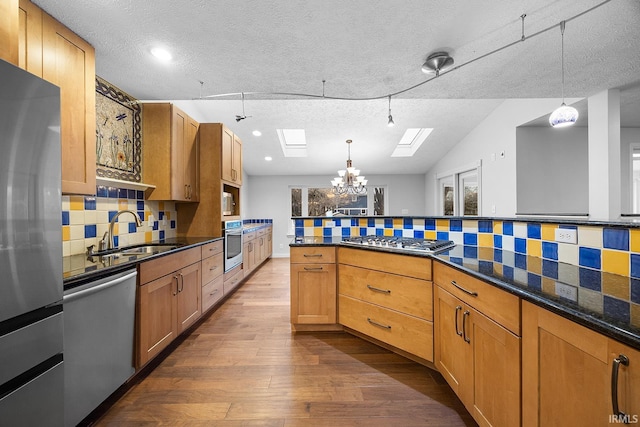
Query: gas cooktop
point(400, 243)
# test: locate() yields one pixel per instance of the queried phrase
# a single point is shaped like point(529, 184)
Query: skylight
point(411, 141)
point(293, 142)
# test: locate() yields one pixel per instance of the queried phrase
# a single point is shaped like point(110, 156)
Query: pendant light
point(564, 115)
point(390, 123)
point(349, 181)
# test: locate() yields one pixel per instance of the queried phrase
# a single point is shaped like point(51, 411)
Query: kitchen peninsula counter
point(589, 297)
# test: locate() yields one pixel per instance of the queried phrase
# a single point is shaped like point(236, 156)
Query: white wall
point(496, 134)
point(269, 197)
point(627, 137)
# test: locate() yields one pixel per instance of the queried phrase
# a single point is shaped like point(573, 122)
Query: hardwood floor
point(243, 367)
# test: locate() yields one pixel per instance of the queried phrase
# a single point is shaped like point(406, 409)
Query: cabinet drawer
point(212, 292)
point(405, 265)
point(212, 248)
point(313, 255)
point(499, 305)
point(246, 237)
point(405, 332)
point(261, 232)
point(212, 267)
point(233, 280)
point(158, 267)
point(404, 294)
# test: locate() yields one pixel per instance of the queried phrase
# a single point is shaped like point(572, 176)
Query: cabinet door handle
point(176, 292)
point(382, 291)
point(181, 282)
point(312, 255)
point(458, 308)
point(464, 326)
point(380, 325)
point(620, 360)
point(466, 291)
point(313, 268)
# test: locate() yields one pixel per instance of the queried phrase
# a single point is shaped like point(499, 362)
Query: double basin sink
point(130, 251)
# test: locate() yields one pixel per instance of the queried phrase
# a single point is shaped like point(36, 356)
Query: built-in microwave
point(227, 203)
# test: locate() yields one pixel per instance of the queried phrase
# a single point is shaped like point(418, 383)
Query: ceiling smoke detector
point(436, 62)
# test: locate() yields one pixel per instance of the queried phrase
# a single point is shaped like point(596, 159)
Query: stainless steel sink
point(144, 250)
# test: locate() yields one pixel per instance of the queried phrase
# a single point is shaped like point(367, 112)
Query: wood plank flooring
point(243, 367)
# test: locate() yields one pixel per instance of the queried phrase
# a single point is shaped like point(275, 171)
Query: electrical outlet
point(281, 246)
point(405, 211)
point(151, 219)
point(567, 235)
point(567, 291)
point(330, 224)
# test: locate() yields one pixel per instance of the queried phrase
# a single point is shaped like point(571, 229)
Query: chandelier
point(349, 181)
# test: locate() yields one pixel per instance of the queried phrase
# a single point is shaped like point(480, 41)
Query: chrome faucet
point(113, 221)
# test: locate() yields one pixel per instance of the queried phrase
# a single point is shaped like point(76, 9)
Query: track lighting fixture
point(390, 123)
point(436, 62)
point(564, 115)
point(243, 116)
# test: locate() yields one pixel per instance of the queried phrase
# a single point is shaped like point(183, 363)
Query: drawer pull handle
point(215, 291)
point(382, 291)
point(620, 360)
point(213, 268)
point(466, 291)
point(380, 325)
point(464, 326)
point(458, 308)
point(312, 255)
point(313, 268)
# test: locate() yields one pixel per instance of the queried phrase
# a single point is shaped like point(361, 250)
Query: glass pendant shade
point(563, 116)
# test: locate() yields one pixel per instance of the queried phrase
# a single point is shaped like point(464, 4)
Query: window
point(312, 201)
point(459, 191)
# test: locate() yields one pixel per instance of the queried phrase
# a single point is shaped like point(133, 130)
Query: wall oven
point(232, 244)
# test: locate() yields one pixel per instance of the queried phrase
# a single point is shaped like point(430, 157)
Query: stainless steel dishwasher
point(99, 322)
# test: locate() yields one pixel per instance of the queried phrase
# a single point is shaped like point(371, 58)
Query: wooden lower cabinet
point(567, 373)
point(313, 286)
point(479, 359)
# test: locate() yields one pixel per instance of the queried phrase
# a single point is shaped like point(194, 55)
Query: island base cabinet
point(313, 293)
point(568, 371)
point(479, 359)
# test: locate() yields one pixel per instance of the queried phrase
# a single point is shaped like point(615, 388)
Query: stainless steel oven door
point(232, 248)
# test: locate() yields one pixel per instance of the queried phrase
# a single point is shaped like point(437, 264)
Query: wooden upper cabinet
point(30, 38)
point(170, 160)
point(9, 31)
point(231, 157)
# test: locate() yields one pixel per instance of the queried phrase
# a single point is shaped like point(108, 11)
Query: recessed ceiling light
point(268, 158)
point(161, 54)
point(256, 133)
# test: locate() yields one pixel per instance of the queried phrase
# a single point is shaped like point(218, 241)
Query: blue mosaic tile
point(485, 267)
point(131, 194)
point(550, 269)
point(617, 309)
point(520, 261)
point(418, 234)
point(568, 227)
point(116, 241)
point(89, 203)
point(635, 265)
point(507, 272)
point(112, 214)
point(122, 193)
point(65, 218)
point(160, 215)
point(346, 231)
point(299, 223)
point(497, 255)
point(102, 191)
point(371, 222)
point(388, 223)
point(379, 231)
point(397, 233)
point(457, 260)
point(589, 257)
point(534, 231)
point(591, 279)
point(455, 225)
point(140, 207)
point(442, 235)
point(89, 231)
point(485, 226)
point(550, 250)
point(161, 235)
point(520, 245)
point(173, 224)
point(363, 231)
point(430, 224)
point(317, 222)
point(139, 195)
point(141, 215)
point(132, 227)
point(497, 241)
point(156, 226)
point(534, 281)
point(407, 223)
point(507, 228)
point(635, 291)
point(327, 239)
point(470, 252)
point(113, 192)
point(326, 231)
point(337, 222)
point(299, 231)
point(470, 239)
point(615, 238)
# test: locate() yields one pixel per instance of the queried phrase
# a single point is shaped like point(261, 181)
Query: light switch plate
point(567, 235)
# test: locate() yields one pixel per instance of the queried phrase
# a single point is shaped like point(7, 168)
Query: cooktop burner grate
point(403, 243)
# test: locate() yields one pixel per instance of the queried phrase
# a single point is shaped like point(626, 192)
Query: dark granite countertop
point(79, 269)
point(598, 300)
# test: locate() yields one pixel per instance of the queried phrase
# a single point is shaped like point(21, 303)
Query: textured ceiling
point(363, 49)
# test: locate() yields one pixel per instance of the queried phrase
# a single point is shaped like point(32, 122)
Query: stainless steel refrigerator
point(31, 326)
